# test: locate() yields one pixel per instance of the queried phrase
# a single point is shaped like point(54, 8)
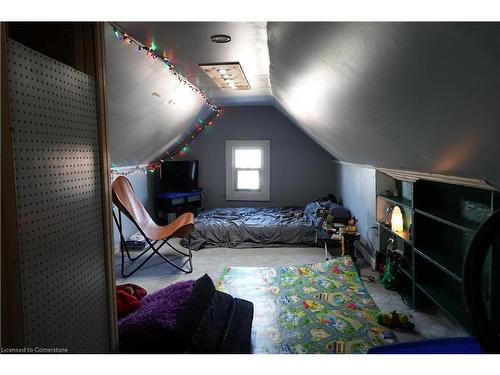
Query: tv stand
point(174, 203)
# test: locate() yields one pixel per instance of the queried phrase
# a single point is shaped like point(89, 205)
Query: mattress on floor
point(247, 227)
point(316, 308)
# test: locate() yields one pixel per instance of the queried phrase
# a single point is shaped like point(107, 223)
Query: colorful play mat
point(314, 308)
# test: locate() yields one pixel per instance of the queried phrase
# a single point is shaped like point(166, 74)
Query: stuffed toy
point(389, 277)
point(132, 289)
point(395, 320)
point(128, 298)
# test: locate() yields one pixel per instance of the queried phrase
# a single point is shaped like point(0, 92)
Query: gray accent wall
point(301, 170)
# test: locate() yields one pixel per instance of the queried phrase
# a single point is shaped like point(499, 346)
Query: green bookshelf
point(404, 235)
point(440, 219)
point(451, 266)
point(400, 201)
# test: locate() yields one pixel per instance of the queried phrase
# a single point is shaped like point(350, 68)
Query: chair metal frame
point(154, 250)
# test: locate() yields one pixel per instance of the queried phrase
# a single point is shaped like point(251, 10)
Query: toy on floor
point(389, 277)
point(128, 298)
point(396, 321)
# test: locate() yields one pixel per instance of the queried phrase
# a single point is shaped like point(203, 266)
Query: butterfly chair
point(125, 199)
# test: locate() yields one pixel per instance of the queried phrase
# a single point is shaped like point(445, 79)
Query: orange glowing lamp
point(397, 220)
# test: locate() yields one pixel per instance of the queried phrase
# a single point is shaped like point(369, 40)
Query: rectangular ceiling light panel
point(227, 76)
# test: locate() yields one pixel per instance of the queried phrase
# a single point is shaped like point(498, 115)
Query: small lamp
point(397, 220)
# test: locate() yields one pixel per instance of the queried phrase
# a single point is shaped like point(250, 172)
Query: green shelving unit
point(440, 220)
point(451, 266)
point(400, 201)
point(406, 272)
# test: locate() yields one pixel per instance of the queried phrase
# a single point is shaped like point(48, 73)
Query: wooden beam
point(12, 320)
point(106, 197)
point(414, 176)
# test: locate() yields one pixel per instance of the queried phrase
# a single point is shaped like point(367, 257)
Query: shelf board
point(397, 200)
point(446, 302)
point(405, 235)
point(407, 273)
point(443, 262)
point(457, 222)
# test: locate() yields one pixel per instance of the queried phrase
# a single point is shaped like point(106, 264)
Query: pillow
point(150, 328)
point(340, 214)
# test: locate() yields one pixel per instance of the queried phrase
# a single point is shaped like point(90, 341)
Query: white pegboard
point(56, 155)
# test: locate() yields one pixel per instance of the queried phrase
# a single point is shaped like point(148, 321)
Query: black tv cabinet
point(173, 203)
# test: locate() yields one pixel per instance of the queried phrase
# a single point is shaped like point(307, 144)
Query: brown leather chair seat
point(128, 203)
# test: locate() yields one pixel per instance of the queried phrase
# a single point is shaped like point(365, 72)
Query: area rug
point(315, 308)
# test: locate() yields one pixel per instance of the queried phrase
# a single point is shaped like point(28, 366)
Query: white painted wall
point(355, 188)
point(145, 186)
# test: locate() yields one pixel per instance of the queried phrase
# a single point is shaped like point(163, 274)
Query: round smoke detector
point(220, 38)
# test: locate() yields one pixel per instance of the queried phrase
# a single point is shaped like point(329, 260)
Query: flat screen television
point(179, 175)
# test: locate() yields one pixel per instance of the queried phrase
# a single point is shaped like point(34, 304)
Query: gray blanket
point(245, 227)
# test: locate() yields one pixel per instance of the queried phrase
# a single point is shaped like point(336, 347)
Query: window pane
point(248, 180)
point(247, 158)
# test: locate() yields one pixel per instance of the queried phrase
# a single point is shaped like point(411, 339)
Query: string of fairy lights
point(181, 147)
point(127, 171)
point(152, 52)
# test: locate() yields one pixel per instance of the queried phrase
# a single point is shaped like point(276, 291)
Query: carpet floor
point(157, 274)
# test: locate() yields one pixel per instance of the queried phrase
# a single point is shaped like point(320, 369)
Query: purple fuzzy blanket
point(158, 311)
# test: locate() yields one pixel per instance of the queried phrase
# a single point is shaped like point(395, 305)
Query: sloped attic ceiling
point(416, 96)
point(148, 109)
point(188, 44)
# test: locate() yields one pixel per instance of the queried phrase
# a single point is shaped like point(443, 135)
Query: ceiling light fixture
point(220, 38)
point(227, 76)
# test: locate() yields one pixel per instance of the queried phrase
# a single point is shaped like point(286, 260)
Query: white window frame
point(233, 194)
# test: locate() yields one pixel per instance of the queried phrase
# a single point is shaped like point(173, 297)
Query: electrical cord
point(404, 301)
point(368, 238)
point(368, 278)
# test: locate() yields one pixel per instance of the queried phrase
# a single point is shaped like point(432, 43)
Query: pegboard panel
point(56, 155)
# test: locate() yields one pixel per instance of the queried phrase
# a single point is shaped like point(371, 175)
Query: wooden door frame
point(106, 194)
point(12, 314)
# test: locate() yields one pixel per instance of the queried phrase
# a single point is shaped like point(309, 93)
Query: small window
point(247, 170)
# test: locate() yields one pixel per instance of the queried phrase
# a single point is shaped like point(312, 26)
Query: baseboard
point(366, 253)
